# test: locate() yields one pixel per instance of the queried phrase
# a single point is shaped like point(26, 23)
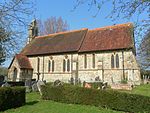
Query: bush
point(11, 97)
point(104, 98)
point(12, 84)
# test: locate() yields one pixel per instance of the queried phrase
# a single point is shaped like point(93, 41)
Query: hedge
point(12, 84)
point(11, 97)
point(105, 98)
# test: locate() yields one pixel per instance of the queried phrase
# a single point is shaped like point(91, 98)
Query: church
point(107, 54)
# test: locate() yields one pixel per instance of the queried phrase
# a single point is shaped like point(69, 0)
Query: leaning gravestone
point(5, 85)
point(34, 87)
point(57, 83)
point(39, 84)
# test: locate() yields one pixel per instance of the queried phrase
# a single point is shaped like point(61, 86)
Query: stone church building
point(106, 53)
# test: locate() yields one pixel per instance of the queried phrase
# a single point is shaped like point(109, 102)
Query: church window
point(53, 65)
point(112, 61)
point(68, 65)
point(93, 60)
point(64, 65)
point(85, 61)
point(117, 61)
point(49, 66)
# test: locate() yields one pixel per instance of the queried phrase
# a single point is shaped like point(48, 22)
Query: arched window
point(117, 61)
point(64, 65)
point(68, 65)
point(53, 65)
point(93, 60)
point(85, 61)
point(112, 61)
point(49, 66)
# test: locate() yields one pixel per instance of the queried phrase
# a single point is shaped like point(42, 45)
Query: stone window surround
point(115, 58)
point(66, 63)
point(51, 65)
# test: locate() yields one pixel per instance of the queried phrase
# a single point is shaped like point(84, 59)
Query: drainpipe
point(102, 70)
point(43, 69)
point(123, 65)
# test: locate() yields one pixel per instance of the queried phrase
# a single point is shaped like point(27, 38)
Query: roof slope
point(109, 38)
point(23, 61)
point(56, 43)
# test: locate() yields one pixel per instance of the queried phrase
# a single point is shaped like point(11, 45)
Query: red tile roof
point(23, 61)
point(106, 38)
point(109, 38)
point(56, 43)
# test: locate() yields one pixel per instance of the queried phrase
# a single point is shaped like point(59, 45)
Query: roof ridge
point(63, 32)
point(112, 26)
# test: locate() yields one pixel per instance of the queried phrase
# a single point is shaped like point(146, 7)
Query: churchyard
point(34, 103)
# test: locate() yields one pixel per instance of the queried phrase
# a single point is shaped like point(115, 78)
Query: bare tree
point(14, 15)
point(144, 50)
point(52, 25)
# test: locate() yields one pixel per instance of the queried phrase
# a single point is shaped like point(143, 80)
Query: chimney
point(32, 31)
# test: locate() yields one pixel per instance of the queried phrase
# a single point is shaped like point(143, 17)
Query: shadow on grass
point(31, 103)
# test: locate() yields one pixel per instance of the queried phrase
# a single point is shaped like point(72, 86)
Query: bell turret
point(33, 30)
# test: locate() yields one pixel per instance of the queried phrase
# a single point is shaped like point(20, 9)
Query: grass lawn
point(141, 90)
point(36, 105)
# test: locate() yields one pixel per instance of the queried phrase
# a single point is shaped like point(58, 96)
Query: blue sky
point(77, 19)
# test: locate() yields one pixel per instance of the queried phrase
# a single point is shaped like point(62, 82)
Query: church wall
point(58, 72)
point(11, 70)
point(127, 66)
point(132, 70)
point(102, 67)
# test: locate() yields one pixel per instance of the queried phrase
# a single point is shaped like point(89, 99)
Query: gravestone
point(5, 85)
point(39, 84)
point(57, 83)
point(28, 86)
point(34, 87)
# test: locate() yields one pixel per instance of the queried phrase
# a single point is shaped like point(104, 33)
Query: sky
point(77, 19)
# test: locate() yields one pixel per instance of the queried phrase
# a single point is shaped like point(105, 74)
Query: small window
point(64, 65)
point(53, 65)
point(85, 61)
point(68, 65)
point(117, 61)
point(49, 66)
point(93, 60)
point(112, 61)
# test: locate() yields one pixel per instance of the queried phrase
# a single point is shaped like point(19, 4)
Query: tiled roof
point(109, 38)
point(56, 43)
point(84, 40)
point(23, 61)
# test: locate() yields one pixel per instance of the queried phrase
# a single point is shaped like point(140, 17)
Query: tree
point(3, 38)
point(14, 15)
point(144, 50)
point(123, 9)
point(52, 25)
point(2, 55)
